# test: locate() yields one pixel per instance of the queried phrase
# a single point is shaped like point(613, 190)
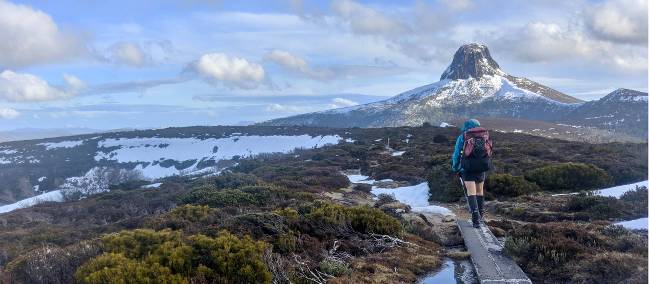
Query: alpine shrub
point(569, 177)
point(147, 256)
point(362, 219)
point(443, 185)
point(507, 185)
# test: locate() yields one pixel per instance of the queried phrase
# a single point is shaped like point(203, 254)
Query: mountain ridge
point(472, 86)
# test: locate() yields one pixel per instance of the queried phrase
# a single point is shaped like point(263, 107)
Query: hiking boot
point(480, 202)
point(476, 219)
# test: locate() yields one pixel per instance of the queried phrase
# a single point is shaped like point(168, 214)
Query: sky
point(150, 64)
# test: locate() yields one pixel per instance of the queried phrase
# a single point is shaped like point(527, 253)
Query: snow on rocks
point(55, 196)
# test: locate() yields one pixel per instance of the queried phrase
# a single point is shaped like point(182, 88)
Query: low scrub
point(362, 219)
point(506, 185)
point(212, 196)
point(576, 253)
point(443, 185)
point(146, 256)
point(569, 177)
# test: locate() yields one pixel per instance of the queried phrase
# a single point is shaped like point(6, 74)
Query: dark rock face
point(471, 61)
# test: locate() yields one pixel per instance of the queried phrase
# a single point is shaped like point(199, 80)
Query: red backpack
point(477, 150)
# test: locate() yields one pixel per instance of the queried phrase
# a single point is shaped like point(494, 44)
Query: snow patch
point(55, 196)
point(62, 144)
point(618, 191)
point(149, 152)
point(416, 196)
point(636, 224)
point(398, 153)
point(153, 185)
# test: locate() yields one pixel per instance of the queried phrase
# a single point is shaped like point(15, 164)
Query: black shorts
point(475, 177)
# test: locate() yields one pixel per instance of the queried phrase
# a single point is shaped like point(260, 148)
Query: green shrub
point(147, 256)
point(116, 268)
point(289, 213)
point(444, 186)
point(190, 212)
point(509, 186)
point(569, 177)
point(596, 207)
point(248, 195)
point(384, 198)
point(285, 243)
point(362, 219)
point(233, 180)
point(334, 267)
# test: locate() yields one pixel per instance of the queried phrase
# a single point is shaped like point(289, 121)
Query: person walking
point(471, 161)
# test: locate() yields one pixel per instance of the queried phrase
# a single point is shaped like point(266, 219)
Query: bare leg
point(479, 188)
point(471, 187)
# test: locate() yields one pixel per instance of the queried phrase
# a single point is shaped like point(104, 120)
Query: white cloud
point(459, 4)
point(287, 108)
point(29, 37)
point(287, 59)
point(540, 42)
point(23, 87)
point(73, 82)
point(128, 53)
point(623, 21)
point(231, 71)
point(366, 20)
point(8, 113)
point(341, 102)
point(548, 42)
point(296, 63)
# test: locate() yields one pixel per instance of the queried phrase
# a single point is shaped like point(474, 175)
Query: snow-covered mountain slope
point(93, 162)
point(622, 110)
point(474, 86)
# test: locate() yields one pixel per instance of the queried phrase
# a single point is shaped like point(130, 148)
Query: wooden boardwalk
point(491, 263)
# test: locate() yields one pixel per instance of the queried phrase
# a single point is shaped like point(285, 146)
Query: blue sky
point(116, 64)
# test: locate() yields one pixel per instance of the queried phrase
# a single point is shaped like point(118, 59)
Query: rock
point(449, 218)
point(431, 227)
point(396, 207)
point(471, 61)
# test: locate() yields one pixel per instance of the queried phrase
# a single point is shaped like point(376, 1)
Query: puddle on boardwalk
point(451, 271)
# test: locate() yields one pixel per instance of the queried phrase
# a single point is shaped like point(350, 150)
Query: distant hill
point(472, 86)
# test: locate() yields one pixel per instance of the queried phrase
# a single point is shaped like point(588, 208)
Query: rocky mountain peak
point(471, 61)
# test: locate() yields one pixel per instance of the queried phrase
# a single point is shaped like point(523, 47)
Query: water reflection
point(452, 271)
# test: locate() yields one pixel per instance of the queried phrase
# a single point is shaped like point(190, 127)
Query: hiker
point(471, 161)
